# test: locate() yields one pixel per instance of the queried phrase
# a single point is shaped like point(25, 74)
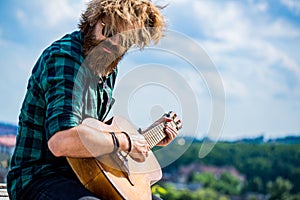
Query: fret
point(153, 142)
point(155, 135)
point(149, 140)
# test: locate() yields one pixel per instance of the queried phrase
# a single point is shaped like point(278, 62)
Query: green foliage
point(226, 183)
point(294, 197)
point(260, 163)
point(206, 179)
point(280, 189)
point(256, 184)
point(174, 194)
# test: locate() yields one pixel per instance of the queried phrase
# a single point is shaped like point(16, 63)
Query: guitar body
point(106, 177)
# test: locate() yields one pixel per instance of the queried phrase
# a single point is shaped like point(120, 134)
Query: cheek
point(98, 32)
point(99, 36)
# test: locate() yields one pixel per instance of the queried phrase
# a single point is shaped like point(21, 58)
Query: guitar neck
point(156, 134)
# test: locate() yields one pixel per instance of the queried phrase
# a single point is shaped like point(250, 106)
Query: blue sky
point(253, 44)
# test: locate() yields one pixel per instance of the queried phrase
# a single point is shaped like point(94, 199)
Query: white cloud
point(254, 51)
point(17, 63)
point(234, 88)
point(50, 14)
point(43, 22)
point(235, 32)
point(279, 29)
point(21, 16)
point(293, 5)
point(262, 6)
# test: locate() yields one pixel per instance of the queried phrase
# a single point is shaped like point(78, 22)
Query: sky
point(230, 69)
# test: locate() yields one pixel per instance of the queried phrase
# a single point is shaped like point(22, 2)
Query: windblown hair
point(146, 22)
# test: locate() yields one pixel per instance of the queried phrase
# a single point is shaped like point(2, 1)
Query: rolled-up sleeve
point(63, 85)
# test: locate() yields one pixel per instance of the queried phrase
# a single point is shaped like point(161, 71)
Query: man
point(73, 80)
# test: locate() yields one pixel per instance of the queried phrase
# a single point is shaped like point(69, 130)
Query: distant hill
point(286, 140)
point(292, 139)
point(282, 140)
point(8, 129)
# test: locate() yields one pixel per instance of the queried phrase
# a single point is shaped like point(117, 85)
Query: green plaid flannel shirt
point(61, 92)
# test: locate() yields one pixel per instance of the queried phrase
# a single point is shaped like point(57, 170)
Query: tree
point(226, 183)
point(229, 184)
point(207, 179)
point(280, 189)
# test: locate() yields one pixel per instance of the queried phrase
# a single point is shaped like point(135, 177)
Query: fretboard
point(156, 134)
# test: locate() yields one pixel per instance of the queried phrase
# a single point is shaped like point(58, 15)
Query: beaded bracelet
point(129, 142)
point(115, 141)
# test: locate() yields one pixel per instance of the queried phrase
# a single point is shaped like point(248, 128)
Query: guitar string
point(156, 134)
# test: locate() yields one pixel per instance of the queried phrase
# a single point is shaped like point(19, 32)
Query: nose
point(114, 40)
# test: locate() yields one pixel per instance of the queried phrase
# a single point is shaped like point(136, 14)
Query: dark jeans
point(59, 188)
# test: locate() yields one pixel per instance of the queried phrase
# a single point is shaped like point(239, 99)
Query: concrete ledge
point(3, 191)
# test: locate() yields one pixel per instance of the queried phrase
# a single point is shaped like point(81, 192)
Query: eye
point(106, 30)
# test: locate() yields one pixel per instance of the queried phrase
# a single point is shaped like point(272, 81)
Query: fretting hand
point(170, 131)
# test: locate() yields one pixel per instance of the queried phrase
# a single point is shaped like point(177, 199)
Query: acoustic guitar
point(114, 176)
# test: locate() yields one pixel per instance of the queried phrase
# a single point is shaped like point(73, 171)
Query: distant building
point(8, 134)
point(185, 171)
point(7, 143)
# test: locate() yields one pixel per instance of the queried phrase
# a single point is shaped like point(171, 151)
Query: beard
point(102, 57)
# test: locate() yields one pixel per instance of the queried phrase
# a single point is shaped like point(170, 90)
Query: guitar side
point(104, 177)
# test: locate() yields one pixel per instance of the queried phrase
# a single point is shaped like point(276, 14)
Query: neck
point(156, 134)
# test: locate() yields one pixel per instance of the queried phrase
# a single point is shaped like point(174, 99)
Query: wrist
point(116, 142)
point(124, 142)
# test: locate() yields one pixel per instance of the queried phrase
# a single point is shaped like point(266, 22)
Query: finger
point(168, 126)
point(171, 132)
point(138, 137)
point(141, 143)
point(139, 157)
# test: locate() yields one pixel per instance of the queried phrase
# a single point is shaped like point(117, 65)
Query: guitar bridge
point(122, 162)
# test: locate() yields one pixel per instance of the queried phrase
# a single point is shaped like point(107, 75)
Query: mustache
point(101, 61)
point(98, 45)
point(107, 44)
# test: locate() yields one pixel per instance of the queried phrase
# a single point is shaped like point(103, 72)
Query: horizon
point(264, 137)
point(250, 47)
